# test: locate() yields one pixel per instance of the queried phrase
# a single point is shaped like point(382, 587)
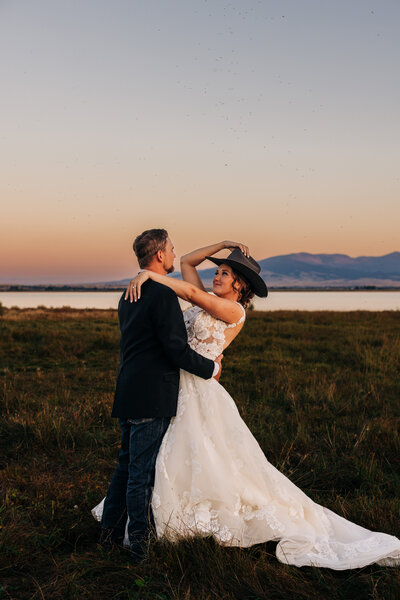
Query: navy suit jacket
point(153, 348)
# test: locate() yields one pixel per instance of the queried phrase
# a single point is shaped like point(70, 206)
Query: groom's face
point(169, 256)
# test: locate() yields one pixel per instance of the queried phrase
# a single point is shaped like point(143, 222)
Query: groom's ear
point(160, 255)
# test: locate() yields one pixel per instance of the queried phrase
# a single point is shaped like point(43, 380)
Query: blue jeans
point(131, 487)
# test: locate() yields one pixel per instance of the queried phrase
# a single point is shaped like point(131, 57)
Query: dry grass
point(319, 390)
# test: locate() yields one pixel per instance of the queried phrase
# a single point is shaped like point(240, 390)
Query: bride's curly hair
point(244, 290)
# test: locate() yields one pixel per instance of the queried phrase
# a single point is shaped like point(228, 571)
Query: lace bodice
point(206, 334)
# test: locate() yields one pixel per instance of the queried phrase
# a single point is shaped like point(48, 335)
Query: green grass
point(320, 391)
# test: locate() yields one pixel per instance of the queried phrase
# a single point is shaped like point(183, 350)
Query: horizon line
point(111, 281)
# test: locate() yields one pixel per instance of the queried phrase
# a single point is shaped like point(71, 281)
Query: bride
point(212, 477)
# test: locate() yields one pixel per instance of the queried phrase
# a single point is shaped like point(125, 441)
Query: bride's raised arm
point(190, 261)
point(220, 308)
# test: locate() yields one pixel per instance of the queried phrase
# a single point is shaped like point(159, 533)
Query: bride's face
point(223, 283)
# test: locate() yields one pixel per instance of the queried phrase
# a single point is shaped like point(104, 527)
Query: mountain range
point(321, 270)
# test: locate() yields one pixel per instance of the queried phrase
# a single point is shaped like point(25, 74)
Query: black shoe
point(139, 552)
point(109, 539)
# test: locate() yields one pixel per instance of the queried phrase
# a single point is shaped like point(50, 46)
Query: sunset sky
point(273, 123)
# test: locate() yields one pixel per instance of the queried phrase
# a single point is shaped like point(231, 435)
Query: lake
point(310, 300)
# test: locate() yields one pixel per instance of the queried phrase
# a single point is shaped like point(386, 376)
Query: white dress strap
point(242, 318)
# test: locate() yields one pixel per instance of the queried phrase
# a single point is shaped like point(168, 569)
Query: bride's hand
point(134, 286)
point(243, 247)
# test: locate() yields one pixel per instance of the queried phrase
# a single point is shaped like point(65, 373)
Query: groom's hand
point(219, 361)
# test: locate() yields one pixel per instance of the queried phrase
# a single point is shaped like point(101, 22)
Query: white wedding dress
point(212, 478)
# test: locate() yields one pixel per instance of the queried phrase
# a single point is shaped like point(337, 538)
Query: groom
point(153, 349)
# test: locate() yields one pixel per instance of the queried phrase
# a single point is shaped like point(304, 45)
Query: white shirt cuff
point(216, 369)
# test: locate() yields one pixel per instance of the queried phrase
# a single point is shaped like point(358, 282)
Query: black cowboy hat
point(247, 267)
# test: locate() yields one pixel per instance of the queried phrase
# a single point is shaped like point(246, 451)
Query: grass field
point(320, 391)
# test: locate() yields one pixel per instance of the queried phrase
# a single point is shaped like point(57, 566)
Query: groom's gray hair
point(147, 244)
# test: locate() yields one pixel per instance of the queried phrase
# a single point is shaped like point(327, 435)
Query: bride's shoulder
point(223, 309)
point(242, 309)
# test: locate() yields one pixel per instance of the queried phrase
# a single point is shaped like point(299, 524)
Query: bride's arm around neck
point(220, 308)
